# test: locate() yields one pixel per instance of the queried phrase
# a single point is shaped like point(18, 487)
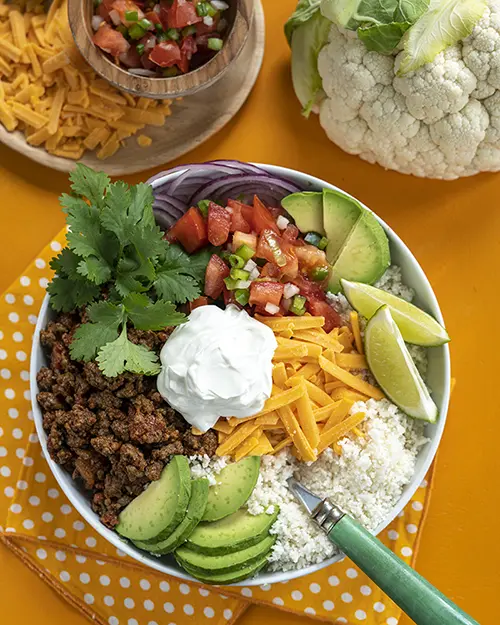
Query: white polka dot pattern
point(104, 582)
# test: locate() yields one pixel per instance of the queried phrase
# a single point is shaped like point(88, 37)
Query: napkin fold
point(43, 529)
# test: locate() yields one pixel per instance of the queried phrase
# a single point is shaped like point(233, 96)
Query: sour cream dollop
point(218, 364)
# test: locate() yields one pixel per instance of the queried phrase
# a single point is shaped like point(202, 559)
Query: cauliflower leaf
point(384, 38)
point(444, 24)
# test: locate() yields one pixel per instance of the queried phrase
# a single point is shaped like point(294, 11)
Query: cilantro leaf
point(134, 275)
point(121, 355)
point(66, 264)
point(90, 184)
point(95, 269)
point(90, 337)
point(146, 315)
point(180, 276)
point(66, 294)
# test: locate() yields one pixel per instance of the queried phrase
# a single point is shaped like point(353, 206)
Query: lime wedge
point(416, 326)
point(393, 367)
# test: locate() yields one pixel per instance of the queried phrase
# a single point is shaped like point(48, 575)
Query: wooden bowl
point(240, 15)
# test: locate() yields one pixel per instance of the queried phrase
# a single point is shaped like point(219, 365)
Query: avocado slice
point(156, 512)
point(228, 563)
point(340, 215)
point(233, 533)
point(306, 209)
point(235, 484)
point(195, 510)
point(223, 579)
point(365, 255)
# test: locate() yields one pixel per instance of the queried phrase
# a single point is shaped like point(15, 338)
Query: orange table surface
point(453, 229)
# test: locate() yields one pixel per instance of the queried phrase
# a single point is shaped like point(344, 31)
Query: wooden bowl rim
point(163, 88)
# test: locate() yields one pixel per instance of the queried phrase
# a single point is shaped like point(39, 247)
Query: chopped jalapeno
point(159, 28)
point(323, 243)
point(188, 31)
point(162, 37)
point(173, 33)
point(211, 11)
point(131, 16)
point(245, 251)
point(239, 274)
point(202, 9)
point(123, 30)
point(146, 24)
point(313, 238)
point(242, 296)
point(97, 3)
point(203, 206)
point(318, 274)
point(136, 31)
point(230, 283)
point(237, 262)
point(298, 305)
point(140, 49)
point(215, 43)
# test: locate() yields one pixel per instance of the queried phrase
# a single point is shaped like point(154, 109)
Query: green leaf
point(66, 294)
point(106, 313)
point(171, 285)
point(445, 24)
point(66, 264)
point(307, 42)
point(90, 184)
point(90, 337)
point(384, 38)
point(303, 12)
point(95, 269)
point(410, 10)
point(194, 265)
point(121, 355)
point(146, 315)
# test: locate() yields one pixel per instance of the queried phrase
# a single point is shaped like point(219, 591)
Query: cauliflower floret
point(440, 121)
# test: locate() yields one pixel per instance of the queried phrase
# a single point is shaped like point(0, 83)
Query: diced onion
point(208, 20)
point(115, 17)
point(97, 20)
point(250, 265)
point(290, 290)
point(229, 210)
point(254, 274)
point(157, 9)
point(272, 309)
point(286, 303)
point(282, 222)
point(219, 5)
point(141, 72)
point(243, 284)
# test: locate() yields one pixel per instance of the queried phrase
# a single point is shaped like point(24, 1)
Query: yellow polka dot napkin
point(46, 532)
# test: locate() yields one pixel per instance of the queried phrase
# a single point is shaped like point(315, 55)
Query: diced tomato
point(180, 14)
point(203, 29)
point(122, 6)
point(198, 302)
point(165, 54)
point(276, 211)
point(270, 270)
point(310, 290)
point(262, 293)
point(262, 217)
point(104, 9)
point(218, 224)
point(291, 269)
point(238, 221)
point(110, 40)
point(190, 231)
point(188, 48)
point(153, 17)
point(229, 297)
point(215, 273)
point(149, 42)
point(310, 256)
point(290, 233)
point(243, 238)
point(323, 309)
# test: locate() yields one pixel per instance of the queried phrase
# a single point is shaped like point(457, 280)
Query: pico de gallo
point(264, 265)
point(160, 39)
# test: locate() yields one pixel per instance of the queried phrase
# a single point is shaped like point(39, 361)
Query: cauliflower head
point(440, 121)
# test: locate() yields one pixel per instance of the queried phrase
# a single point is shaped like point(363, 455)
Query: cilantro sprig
point(118, 265)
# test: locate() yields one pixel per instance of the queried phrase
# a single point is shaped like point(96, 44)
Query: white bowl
point(438, 379)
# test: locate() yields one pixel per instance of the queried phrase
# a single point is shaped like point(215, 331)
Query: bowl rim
point(160, 87)
point(69, 488)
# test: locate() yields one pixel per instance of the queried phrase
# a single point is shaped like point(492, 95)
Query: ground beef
point(115, 435)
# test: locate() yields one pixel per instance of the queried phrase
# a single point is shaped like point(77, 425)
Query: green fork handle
point(411, 592)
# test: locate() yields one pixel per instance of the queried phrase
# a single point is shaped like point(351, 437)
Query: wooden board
point(194, 119)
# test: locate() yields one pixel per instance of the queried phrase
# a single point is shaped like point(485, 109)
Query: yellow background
point(453, 229)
